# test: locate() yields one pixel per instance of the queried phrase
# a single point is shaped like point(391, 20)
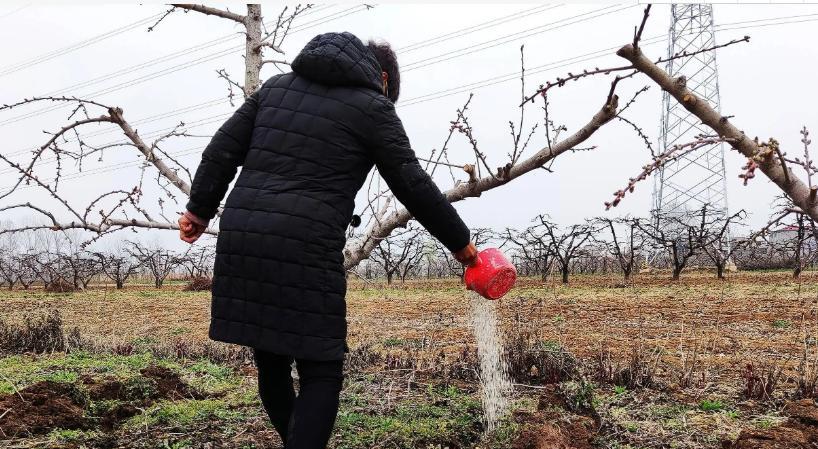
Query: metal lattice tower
point(698, 178)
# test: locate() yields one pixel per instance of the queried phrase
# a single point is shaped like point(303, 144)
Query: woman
point(306, 141)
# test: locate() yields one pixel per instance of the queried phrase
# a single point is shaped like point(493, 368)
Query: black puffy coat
point(306, 141)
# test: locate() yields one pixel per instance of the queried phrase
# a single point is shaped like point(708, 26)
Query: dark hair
point(389, 64)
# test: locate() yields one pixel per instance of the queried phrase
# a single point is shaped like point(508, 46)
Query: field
point(689, 364)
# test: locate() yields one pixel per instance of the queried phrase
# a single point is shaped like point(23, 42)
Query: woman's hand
point(467, 256)
point(191, 227)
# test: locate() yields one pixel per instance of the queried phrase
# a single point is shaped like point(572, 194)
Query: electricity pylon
point(698, 178)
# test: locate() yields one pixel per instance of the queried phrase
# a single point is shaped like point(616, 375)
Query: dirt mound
point(107, 389)
point(781, 437)
point(46, 406)
point(168, 384)
point(799, 431)
point(576, 434)
point(59, 286)
point(117, 414)
point(199, 284)
point(803, 411)
point(552, 427)
point(40, 408)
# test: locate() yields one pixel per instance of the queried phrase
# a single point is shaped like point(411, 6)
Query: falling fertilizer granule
point(494, 382)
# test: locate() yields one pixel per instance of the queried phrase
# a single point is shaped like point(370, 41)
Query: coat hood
point(338, 59)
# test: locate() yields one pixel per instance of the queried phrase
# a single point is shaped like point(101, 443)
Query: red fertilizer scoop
point(492, 276)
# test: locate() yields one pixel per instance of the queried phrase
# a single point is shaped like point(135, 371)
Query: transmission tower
point(698, 178)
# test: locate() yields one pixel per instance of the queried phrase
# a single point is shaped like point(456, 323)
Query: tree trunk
point(796, 273)
point(252, 49)
point(720, 270)
point(120, 284)
point(565, 271)
point(677, 272)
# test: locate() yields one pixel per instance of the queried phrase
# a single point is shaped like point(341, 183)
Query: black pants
point(304, 421)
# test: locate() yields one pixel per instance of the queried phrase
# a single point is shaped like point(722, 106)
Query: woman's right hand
point(467, 256)
point(191, 227)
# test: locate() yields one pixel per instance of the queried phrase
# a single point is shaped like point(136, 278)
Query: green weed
point(70, 436)
point(138, 388)
point(183, 413)
point(710, 406)
point(445, 416)
point(579, 394)
point(781, 324)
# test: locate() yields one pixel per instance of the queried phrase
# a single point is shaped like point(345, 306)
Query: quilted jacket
point(305, 141)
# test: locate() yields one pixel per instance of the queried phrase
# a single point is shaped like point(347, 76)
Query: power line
point(168, 70)
point(159, 116)
point(768, 19)
point(209, 44)
point(151, 62)
point(226, 52)
point(411, 66)
point(769, 24)
point(447, 56)
point(587, 57)
point(144, 120)
point(458, 33)
point(145, 78)
point(156, 133)
point(98, 38)
point(74, 47)
point(118, 166)
point(723, 27)
point(514, 75)
point(15, 11)
point(482, 83)
point(478, 27)
point(430, 41)
point(117, 87)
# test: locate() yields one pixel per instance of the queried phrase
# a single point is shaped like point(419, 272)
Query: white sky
point(768, 84)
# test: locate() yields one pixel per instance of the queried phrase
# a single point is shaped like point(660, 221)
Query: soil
point(116, 415)
point(106, 389)
point(168, 384)
point(799, 431)
point(40, 408)
point(553, 427)
point(199, 284)
point(45, 406)
point(577, 434)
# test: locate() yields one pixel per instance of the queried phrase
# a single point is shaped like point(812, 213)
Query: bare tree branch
point(210, 11)
point(788, 183)
point(359, 249)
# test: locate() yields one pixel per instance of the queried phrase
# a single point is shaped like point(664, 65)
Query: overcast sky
point(168, 75)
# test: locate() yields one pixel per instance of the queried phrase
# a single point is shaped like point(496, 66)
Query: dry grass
point(705, 329)
point(669, 359)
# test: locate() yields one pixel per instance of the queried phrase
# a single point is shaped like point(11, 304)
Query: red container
point(493, 275)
